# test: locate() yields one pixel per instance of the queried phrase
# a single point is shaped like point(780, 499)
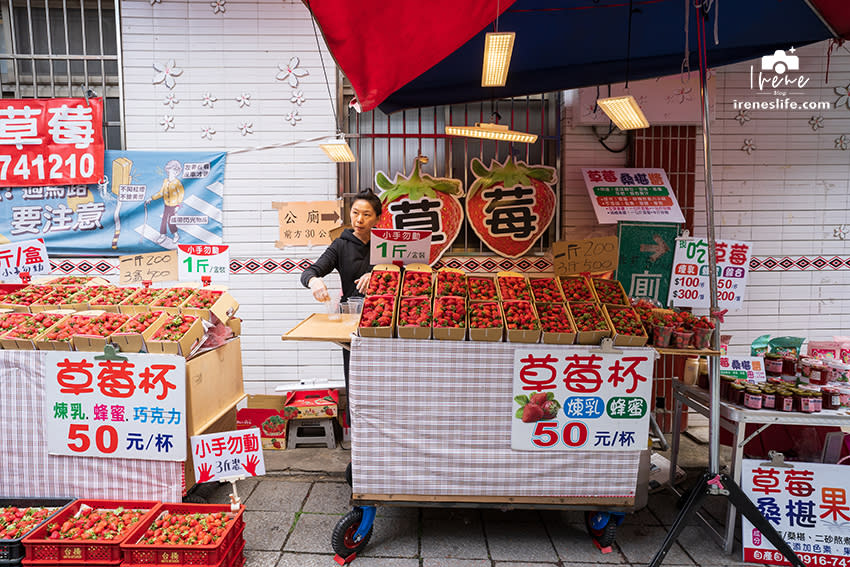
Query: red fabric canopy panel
point(836, 13)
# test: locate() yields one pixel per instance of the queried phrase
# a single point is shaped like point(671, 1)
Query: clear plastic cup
point(355, 305)
point(332, 306)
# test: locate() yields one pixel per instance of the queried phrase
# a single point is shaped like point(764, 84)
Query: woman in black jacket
point(348, 255)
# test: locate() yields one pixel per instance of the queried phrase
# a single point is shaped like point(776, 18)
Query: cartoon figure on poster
point(171, 194)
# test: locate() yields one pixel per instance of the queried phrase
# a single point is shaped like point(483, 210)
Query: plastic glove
point(362, 282)
point(319, 289)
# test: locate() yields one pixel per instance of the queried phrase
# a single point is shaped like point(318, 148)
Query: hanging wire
point(337, 125)
point(629, 44)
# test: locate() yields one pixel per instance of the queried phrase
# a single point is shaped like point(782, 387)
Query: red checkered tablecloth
point(28, 471)
point(434, 418)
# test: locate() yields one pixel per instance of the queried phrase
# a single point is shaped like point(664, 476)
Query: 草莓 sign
point(690, 280)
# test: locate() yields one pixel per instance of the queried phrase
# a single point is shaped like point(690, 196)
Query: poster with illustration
point(147, 201)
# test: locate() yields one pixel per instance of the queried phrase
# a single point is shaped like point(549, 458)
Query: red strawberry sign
point(510, 205)
point(422, 202)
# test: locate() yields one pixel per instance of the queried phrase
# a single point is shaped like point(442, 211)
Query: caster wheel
point(605, 535)
point(348, 477)
point(342, 538)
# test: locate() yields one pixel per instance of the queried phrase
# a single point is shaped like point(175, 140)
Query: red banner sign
point(57, 141)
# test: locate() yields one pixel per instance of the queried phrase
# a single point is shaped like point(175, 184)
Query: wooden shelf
point(688, 351)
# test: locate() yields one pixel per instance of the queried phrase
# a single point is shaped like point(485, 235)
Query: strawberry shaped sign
point(422, 202)
point(510, 205)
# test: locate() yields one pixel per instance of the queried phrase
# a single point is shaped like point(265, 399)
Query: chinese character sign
point(809, 505)
point(510, 205)
point(690, 286)
point(25, 256)
point(306, 223)
point(390, 246)
point(574, 398)
point(54, 141)
point(196, 261)
point(749, 368)
point(422, 202)
point(631, 195)
point(145, 202)
point(227, 454)
point(131, 407)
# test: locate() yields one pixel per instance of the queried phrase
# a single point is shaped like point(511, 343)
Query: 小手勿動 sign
point(631, 195)
point(574, 398)
point(306, 223)
point(807, 504)
point(132, 407)
point(689, 286)
point(749, 368)
point(196, 261)
point(23, 256)
point(52, 141)
point(227, 454)
point(391, 246)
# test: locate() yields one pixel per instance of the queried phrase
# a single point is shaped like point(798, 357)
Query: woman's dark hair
point(370, 197)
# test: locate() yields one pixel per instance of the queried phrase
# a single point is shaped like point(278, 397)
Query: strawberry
point(609, 291)
point(626, 321)
point(425, 203)
point(514, 288)
point(576, 289)
point(481, 288)
point(383, 282)
point(531, 412)
point(416, 283)
point(538, 398)
point(509, 206)
point(414, 312)
point(554, 318)
point(520, 315)
point(485, 315)
point(377, 311)
point(545, 290)
point(451, 283)
point(550, 409)
point(450, 311)
point(588, 317)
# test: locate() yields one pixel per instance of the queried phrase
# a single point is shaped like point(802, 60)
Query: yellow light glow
point(491, 132)
point(498, 47)
point(624, 112)
point(338, 151)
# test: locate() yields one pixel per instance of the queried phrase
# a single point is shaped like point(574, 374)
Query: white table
point(735, 418)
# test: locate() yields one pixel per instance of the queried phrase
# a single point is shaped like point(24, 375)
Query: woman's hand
point(362, 282)
point(319, 289)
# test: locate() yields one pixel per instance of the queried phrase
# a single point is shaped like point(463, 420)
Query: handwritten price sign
point(230, 453)
point(132, 407)
point(689, 286)
point(591, 255)
point(154, 267)
point(23, 256)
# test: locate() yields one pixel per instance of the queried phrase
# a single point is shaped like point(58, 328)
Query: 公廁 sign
point(56, 141)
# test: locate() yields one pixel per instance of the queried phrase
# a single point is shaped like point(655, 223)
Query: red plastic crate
point(43, 551)
point(136, 554)
point(233, 558)
point(12, 550)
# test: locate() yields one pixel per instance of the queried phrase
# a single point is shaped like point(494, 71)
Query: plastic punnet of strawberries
point(545, 290)
point(414, 312)
point(140, 322)
point(485, 315)
point(703, 322)
point(174, 328)
point(32, 326)
point(144, 296)
point(644, 309)
point(203, 298)
point(383, 282)
point(174, 296)
point(514, 288)
point(16, 522)
point(416, 284)
point(520, 316)
point(576, 289)
point(609, 291)
point(186, 529)
point(588, 317)
point(90, 524)
point(451, 283)
point(482, 289)
point(377, 311)
point(554, 318)
point(114, 295)
point(626, 322)
point(450, 311)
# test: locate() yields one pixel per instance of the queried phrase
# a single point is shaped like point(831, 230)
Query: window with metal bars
point(390, 143)
point(64, 48)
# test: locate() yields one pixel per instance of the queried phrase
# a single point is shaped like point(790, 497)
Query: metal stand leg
point(735, 470)
point(677, 431)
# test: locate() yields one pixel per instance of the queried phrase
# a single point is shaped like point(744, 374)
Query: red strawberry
point(538, 398)
point(531, 412)
point(503, 198)
point(425, 203)
point(550, 409)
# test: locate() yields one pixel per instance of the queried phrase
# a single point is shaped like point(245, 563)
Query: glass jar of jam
point(806, 402)
point(789, 365)
point(753, 398)
point(726, 382)
point(785, 400)
point(736, 394)
point(831, 398)
point(817, 401)
point(806, 366)
point(819, 375)
point(768, 398)
point(773, 364)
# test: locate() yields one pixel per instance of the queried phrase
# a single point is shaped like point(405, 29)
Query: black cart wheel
point(604, 536)
point(348, 477)
point(342, 538)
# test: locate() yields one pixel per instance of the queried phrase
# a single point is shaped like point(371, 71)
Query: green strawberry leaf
point(518, 413)
point(550, 396)
point(383, 182)
point(509, 174)
point(416, 186)
point(521, 400)
point(479, 169)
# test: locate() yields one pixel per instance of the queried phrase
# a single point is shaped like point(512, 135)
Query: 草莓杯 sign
point(690, 280)
point(57, 141)
point(596, 401)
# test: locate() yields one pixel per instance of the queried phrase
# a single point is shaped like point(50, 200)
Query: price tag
point(199, 260)
point(132, 407)
point(24, 256)
point(401, 247)
point(154, 267)
point(590, 255)
point(230, 453)
point(689, 285)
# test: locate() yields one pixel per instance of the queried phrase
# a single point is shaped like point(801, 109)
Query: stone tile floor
point(290, 518)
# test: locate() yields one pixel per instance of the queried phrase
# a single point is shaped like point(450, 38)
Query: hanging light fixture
point(338, 150)
point(624, 111)
point(489, 131)
point(498, 48)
